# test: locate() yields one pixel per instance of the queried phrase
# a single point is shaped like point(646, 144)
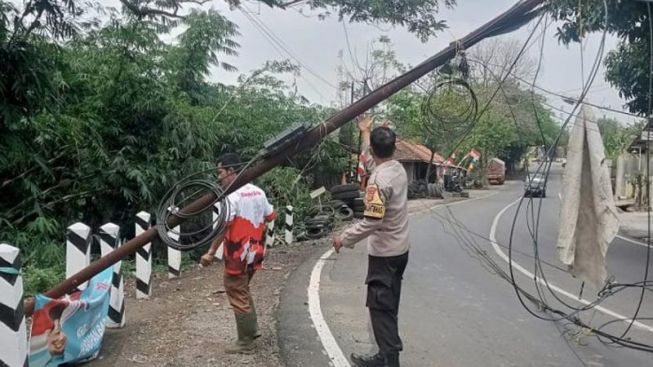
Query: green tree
point(208, 34)
point(100, 118)
point(616, 136)
point(439, 118)
point(120, 116)
point(627, 66)
point(405, 109)
point(612, 135)
point(418, 16)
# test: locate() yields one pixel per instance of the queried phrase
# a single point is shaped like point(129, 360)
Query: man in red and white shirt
point(244, 248)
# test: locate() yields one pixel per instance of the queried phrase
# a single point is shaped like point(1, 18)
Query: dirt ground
point(188, 320)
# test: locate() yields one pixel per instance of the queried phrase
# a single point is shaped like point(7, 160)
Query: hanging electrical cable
point(207, 222)
point(450, 108)
point(488, 103)
point(604, 293)
point(533, 219)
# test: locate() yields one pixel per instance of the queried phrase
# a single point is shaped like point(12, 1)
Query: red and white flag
point(360, 170)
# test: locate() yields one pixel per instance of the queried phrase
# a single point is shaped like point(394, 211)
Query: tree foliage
point(437, 113)
point(208, 35)
point(628, 65)
point(98, 121)
point(616, 137)
point(418, 16)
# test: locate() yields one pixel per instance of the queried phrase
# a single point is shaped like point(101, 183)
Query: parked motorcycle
point(453, 183)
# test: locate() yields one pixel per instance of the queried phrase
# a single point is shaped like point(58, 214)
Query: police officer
point(385, 223)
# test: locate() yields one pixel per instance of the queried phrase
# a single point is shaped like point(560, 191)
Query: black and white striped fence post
point(143, 259)
point(13, 333)
point(174, 255)
point(216, 214)
point(109, 241)
point(269, 234)
point(289, 223)
point(78, 250)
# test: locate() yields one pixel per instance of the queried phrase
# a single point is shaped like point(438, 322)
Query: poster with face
point(71, 328)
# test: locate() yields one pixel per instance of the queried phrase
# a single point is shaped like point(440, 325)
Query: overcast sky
point(316, 44)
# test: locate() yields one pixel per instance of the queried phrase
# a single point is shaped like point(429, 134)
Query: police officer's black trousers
point(384, 275)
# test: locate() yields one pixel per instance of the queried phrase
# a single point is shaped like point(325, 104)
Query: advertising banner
point(70, 329)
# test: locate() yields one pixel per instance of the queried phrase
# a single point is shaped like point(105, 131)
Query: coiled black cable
point(464, 114)
point(205, 230)
point(207, 222)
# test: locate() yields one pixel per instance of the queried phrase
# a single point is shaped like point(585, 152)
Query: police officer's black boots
point(375, 360)
point(392, 359)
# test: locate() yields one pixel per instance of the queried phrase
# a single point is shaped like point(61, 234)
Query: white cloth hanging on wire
point(588, 218)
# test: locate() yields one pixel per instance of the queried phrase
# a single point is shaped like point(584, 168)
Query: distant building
point(416, 158)
point(630, 170)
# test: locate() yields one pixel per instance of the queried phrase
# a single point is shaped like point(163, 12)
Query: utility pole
point(360, 135)
point(354, 170)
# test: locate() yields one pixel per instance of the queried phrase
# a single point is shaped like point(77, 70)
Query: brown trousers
point(237, 288)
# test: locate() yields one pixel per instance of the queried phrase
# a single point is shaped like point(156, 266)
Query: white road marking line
point(530, 275)
point(326, 337)
point(643, 244)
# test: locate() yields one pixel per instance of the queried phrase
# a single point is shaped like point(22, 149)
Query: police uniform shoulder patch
point(374, 206)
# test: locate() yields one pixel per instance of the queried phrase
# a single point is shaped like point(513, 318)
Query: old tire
point(344, 213)
point(358, 205)
point(324, 210)
point(346, 195)
point(344, 188)
point(335, 204)
point(315, 233)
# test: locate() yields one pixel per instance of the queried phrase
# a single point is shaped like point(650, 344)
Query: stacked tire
point(434, 191)
point(319, 226)
point(420, 189)
point(358, 207)
point(348, 199)
point(417, 189)
point(345, 193)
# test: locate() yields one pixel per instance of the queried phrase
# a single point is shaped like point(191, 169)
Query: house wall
point(410, 170)
point(627, 167)
point(417, 171)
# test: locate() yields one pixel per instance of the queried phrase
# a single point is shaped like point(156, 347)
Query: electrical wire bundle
point(205, 225)
point(450, 108)
point(533, 221)
point(532, 209)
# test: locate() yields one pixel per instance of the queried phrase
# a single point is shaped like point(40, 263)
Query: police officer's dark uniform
point(386, 224)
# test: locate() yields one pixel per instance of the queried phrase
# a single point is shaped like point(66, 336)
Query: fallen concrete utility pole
point(512, 19)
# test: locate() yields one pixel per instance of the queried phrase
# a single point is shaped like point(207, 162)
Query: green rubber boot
point(246, 324)
point(257, 332)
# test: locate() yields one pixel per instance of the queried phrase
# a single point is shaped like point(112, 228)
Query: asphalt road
point(455, 309)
